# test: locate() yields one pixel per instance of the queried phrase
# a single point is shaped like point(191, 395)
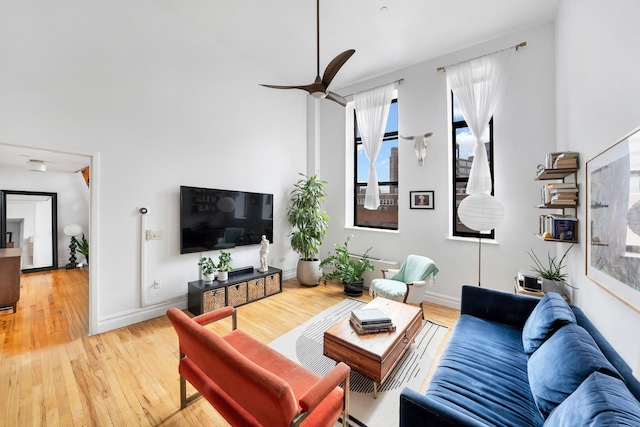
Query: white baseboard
point(444, 300)
point(126, 318)
point(289, 274)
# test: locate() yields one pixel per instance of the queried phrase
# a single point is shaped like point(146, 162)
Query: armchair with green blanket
point(407, 284)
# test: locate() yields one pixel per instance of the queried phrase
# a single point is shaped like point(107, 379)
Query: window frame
point(356, 186)
point(455, 180)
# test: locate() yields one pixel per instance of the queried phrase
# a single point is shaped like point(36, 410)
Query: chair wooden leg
point(345, 402)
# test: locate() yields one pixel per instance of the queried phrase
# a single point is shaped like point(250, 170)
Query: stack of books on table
point(371, 321)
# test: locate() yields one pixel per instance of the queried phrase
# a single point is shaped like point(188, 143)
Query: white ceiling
point(280, 35)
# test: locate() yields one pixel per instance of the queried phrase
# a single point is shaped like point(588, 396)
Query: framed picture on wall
point(421, 199)
point(613, 220)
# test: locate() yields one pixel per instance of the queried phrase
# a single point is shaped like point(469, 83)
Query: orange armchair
point(249, 383)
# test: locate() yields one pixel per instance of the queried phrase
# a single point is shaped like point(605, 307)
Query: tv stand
point(245, 285)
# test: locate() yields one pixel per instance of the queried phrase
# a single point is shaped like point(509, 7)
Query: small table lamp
point(72, 230)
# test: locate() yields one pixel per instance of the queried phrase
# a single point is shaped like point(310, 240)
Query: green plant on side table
point(224, 265)
point(208, 268)
point(310, 225)
point(346, 268)
point(553, 278)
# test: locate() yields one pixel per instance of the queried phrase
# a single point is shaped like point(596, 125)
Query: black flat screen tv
point(212, 219)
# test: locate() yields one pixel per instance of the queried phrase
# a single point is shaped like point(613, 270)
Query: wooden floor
point(52, 373)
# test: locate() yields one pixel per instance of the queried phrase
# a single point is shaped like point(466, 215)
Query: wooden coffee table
point(374, 355)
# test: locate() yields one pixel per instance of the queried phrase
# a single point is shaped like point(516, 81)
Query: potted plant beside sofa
point(346, 268)
point(553, 278)
point(224, 266)
point(310, 225)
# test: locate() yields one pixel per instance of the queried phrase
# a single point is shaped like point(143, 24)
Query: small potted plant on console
point(224, 265)
point(208, 268)
point(553, 278)
point(348, 269)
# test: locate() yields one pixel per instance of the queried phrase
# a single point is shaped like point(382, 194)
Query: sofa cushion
point(482, 374)
point(550, 314)
point(560, 365)
point(600, 400)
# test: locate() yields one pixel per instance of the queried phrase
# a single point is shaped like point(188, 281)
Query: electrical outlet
point(153, 234)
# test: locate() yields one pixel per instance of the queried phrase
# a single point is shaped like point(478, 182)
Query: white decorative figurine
point(419, 145)
point(264, 250)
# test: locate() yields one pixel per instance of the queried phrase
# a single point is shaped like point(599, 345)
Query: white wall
point(524, 131)
point(157, 105)
point(598, 79)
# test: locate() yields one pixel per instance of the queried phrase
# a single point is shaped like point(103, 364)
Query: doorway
point(29, 220)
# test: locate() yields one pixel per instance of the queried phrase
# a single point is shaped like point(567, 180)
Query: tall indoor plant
point(310, 225)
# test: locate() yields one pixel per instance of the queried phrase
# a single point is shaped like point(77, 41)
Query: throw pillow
point(549, 315)
point(601, 400)
point(561, 364)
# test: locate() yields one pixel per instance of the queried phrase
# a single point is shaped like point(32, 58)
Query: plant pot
point(308, 272)
point(207, 278)
point(354, 289)
point(223, 275)
point(553, 286)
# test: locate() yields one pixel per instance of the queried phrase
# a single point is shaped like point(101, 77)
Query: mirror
point(29, 221)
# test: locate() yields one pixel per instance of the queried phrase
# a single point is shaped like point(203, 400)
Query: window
point(463, 142)
point(386, 216)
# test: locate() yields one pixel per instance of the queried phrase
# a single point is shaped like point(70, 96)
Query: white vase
point(207, 278)
point(553, 286)
point(223, 275)
point(309, 272)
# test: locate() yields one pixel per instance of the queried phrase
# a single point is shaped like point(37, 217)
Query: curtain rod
point(519, 45)
point(399, 81)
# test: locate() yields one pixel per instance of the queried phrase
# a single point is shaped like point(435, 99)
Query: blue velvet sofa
point(514, 360)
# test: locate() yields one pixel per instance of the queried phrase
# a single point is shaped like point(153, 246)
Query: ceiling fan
point(320, 87)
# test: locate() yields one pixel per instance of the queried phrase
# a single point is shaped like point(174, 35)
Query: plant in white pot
point(208, 268)
point(224, 265)
point(310, 225)
point(553, 278)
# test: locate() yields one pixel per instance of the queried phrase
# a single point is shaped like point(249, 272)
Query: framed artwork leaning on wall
point(613, 219)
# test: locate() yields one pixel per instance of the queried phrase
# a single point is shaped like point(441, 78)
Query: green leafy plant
point(83, 247)
point(346, 268)
point(305, 214)
point(207, 266)
point(224, 261)
point(553, 269)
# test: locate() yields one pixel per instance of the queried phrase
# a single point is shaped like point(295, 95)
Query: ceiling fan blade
point(335, 65)
point(308, 88)
point(337, 98)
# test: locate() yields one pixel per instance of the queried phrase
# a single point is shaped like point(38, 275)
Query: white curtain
point(476, 85)
point(372, 110)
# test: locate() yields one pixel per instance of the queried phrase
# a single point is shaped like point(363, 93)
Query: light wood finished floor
point(52, 374)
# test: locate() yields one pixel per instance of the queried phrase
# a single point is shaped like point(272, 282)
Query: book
point(371, 330)
point(368, 316)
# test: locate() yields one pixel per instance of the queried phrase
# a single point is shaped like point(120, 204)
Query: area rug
point(304, 345)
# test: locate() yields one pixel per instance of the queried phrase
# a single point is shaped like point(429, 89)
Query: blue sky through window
point(382, 163)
